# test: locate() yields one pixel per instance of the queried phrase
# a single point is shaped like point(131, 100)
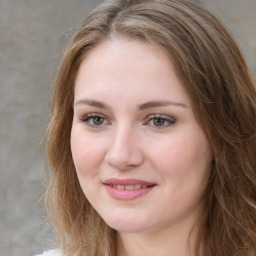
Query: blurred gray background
point(33, 34)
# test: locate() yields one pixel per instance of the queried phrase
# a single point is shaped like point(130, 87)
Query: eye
point(160, 121)
point(94, 120)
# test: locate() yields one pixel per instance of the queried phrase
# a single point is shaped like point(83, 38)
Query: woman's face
point(141, 157)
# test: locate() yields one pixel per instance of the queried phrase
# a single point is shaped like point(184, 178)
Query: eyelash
point(167, 121)
point(90, 118)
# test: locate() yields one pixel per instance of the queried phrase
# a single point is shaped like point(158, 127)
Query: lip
point(123, 194)
point(126, 182)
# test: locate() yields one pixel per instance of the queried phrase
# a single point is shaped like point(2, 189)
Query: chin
point(127, 227)
point(127, 224)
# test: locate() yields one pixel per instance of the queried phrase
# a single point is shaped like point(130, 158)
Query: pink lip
point(123, 194)
point(125, 182)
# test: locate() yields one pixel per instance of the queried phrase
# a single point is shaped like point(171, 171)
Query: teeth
point(120, 187)
point(129, 187)
point(137, 186)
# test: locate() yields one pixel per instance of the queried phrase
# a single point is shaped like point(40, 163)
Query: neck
point(179, 239)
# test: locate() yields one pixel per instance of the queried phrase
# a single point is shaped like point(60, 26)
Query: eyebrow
point(160, 103)
point(146, 105)
point(93, 103)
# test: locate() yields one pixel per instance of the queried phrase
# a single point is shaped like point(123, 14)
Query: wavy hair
point(215, 75)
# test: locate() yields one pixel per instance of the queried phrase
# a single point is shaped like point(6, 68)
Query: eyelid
point(89, 115)
point(86, 119)
point(166, 118)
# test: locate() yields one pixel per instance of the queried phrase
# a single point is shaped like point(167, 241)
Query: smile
point(127, 189)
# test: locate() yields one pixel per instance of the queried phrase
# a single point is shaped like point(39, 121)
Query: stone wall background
point(240, 18)
point(32, 36)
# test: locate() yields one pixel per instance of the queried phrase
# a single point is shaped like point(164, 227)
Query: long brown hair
point(219, 83)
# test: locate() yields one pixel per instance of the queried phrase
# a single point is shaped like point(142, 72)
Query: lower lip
point(123, 194)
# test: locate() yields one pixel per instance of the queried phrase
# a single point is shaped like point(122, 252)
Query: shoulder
point(55, 252)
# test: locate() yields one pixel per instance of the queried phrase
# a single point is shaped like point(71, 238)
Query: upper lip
point(126, 182)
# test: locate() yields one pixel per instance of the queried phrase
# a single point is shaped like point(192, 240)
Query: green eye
point(94, 120)
point(97, 120)
point(160, 121)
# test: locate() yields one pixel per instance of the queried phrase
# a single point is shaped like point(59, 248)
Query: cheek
point(87, 153)
point(184, 156)
point(87, 157)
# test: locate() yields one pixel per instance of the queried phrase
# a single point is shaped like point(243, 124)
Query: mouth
point(127, 189)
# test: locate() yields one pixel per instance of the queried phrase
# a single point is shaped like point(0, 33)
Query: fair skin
point(141, 157)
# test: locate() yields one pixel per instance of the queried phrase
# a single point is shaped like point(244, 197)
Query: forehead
point(123, 66)
point(125, 55)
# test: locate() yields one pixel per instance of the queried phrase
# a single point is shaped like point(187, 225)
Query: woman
point(151, 139)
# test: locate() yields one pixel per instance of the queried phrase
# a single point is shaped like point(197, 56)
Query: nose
point(124, 151)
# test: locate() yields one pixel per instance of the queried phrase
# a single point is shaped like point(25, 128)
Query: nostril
point(123, 159)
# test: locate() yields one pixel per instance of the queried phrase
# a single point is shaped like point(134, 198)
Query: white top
point(54, 252)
